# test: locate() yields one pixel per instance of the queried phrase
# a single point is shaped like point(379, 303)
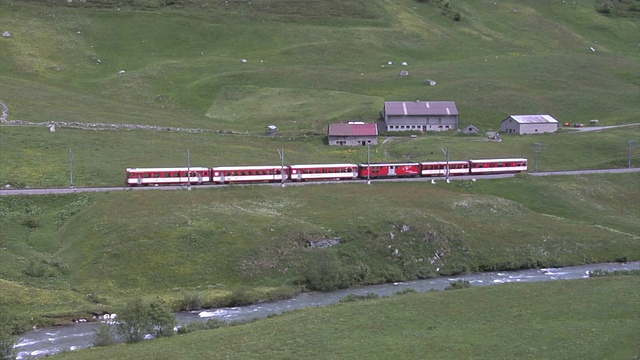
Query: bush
point(323, 272)
point(104, 335)
point(140, 318)
point(241, 297)
point(457, 285)
point(192, 301)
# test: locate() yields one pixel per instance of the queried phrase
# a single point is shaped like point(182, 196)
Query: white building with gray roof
point(420, 115)
point(529, 124)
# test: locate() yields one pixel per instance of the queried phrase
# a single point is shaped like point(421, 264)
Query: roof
point(532, 119)
point(353, 130)
point(420, 108)
point(171, 169)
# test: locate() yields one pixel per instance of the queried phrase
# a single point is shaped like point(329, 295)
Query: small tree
point(140, 318)
point(163, 320)
point(104, 335)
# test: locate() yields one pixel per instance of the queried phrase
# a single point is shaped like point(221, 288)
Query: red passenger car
point(167, 176)
point(324, 172)
point(385, 170)
point(498, 166)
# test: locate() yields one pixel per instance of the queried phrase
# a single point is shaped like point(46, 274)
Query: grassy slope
point(36, 158)
point(184, 70)
point(582, 319)
point(534, 60)
point(215, 241)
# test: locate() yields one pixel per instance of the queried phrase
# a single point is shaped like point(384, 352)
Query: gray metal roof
point(420, 108)
point(532, 119)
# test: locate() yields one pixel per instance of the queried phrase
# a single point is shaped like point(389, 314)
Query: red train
point(319, 172)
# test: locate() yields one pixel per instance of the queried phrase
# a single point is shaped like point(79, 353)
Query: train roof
point(498, 160)
point(390, 164)
point(192, 168)
point(322, 165)
point(251, 167)
point(444, 162)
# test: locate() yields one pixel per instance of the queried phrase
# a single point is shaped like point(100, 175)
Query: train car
point(323, 172)
point(439, 168)
point(497, 166)
point(247, 174)
point(388, 170)
point(167, 176)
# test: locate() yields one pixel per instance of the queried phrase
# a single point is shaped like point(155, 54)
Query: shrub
point(104, 335)
point(30, 221)
point(457, 285)
point(323, 272)
point(191, 301)
point(241, 297)
point(140, 318)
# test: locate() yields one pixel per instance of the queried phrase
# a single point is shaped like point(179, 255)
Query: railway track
point(75, 190)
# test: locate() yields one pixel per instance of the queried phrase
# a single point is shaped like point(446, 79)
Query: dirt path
point(596, 128)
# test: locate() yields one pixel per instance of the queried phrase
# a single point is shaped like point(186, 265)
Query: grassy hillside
point(98, 249)
point(583, 319)
point(183, 63)
point(34, 157)
point(309, 63)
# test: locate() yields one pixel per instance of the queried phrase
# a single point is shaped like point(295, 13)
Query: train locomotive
point(319, 172)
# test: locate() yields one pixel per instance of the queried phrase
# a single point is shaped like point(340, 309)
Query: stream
point(52, 340)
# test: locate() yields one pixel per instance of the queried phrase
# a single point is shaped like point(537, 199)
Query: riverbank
point(53, 340)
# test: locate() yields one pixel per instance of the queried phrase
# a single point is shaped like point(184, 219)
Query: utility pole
point(188, 169)
point(71, 167)
point(535, 163)
point(446, 170)
point(281, 153)
point(369, 164)
point(630, 152)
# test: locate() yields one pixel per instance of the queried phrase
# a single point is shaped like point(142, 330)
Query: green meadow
point(308, 64)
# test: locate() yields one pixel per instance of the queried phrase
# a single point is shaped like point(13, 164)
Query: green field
point(309, 63)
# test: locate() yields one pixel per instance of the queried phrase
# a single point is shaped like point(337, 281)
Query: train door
point(392, 171)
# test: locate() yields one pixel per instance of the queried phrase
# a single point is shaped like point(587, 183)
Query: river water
point(52, 340)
